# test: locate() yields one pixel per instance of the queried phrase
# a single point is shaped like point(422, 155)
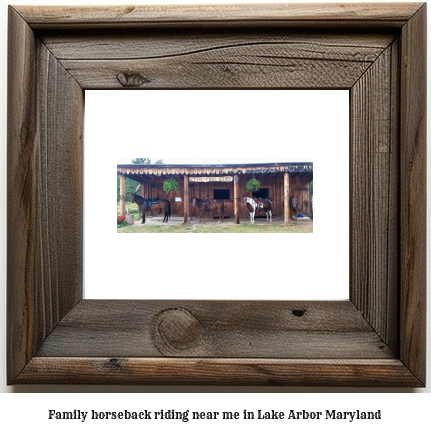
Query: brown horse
point(294, 204)
point(209, 205)
point(156, 205)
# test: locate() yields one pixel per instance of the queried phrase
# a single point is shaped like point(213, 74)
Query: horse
point(148, 203)
point(255, 204)
point(294, 204)
point(209, 205)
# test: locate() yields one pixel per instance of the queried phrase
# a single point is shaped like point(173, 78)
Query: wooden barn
point(226, 182)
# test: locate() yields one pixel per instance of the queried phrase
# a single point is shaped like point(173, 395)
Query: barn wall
point(299, 186)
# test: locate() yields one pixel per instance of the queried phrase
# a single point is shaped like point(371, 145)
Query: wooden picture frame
point(376, 338)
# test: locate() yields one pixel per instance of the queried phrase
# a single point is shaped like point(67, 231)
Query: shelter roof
point(255, 168)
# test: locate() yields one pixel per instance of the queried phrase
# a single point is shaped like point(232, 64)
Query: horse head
point(133, 196)
point(294, 202)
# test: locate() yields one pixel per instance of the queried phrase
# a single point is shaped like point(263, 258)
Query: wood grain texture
point(286, 198)
point(120, 45)
point(123, 195)
point(229, 329)
point(227, 60)
point(374, 194)
point(59, 183)
point(22, 198)
point(413, 194)
point(197, 371)
point(300, 15)
point(44, 183)
point(55, 337)
point(186, 199)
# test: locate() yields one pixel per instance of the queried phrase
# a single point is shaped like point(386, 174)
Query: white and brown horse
point(254, 205)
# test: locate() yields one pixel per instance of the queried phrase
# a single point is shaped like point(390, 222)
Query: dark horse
point(148, 204)
point(294, 204)
point(209, 205)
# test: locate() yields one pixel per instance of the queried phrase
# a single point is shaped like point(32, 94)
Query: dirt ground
point(305, 223)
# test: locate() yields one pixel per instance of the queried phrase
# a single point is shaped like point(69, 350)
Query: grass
point(133, 208)
point(199, 229)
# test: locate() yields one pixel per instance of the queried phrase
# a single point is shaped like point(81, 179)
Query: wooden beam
point(186, 199)
point(286, 198)
point(143, 177)
point(122, 195)
point(236, 199)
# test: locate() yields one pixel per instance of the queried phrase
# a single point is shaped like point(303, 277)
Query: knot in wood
point(131, 79)
point(178, 329)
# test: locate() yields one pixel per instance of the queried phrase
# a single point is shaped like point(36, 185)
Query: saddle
point(207, 203)
point(260, 202)
point(150, 201)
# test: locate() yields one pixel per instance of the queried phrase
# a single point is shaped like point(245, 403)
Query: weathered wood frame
point(377, 338)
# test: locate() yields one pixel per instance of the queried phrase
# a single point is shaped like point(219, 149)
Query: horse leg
point(167, 212)
point(270, 216)
point(142, 210)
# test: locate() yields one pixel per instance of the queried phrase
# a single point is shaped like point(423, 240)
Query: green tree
point(146, 161)
point(131, 186)
point(141, 161)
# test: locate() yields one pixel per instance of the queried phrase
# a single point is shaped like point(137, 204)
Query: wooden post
point(286, 198)
point(142, 189)
point(235, 199)
point(122, 195)
point(186, 199)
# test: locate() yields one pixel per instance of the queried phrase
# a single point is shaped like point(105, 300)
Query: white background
point(403, 410)
point(273, 126)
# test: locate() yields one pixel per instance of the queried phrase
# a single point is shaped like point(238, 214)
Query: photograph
point(230, 198)
point(216, 164)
